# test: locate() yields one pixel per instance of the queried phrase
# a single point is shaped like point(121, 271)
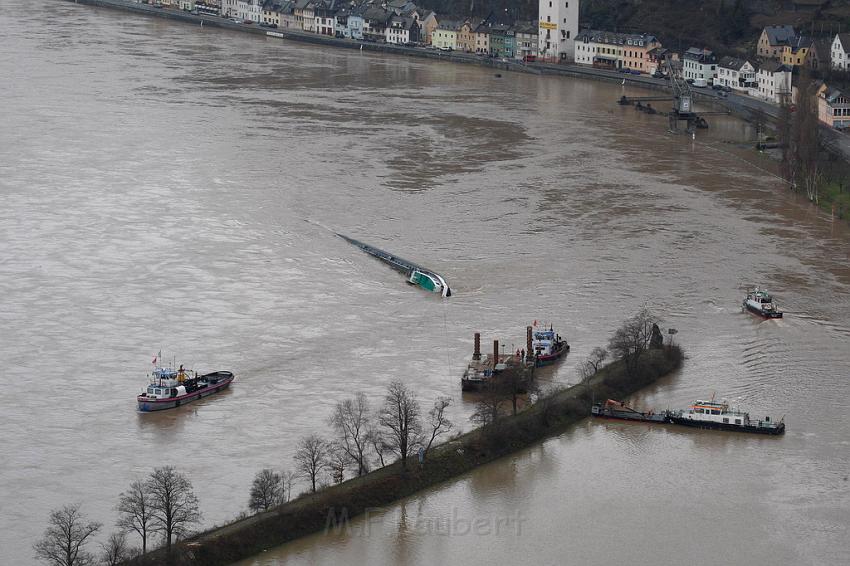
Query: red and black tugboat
point(171, 388)
point(547, 346)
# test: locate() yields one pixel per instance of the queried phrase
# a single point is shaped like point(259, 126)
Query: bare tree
point(288, 478)
point(338, 460)
point(114, 551)
point(65, 537)
point(350, 419)
point(807, 137)
point(135, 513)
point(174, 506)
point(400, 417)
point(311, 457)
point(631, 340)
point(488, 406)
point(590, 366)
point(376, 439)
point(438, 421)
point(266, 491)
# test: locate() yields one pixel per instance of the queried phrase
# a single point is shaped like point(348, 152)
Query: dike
point(311, 513)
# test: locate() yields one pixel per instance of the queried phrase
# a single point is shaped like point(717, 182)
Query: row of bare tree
point(360, 434)
point(799, 135)
point(163, 504)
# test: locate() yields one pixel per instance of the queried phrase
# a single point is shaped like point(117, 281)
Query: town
point(769, 75)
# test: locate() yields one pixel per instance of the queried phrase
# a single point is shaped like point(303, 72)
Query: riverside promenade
point(746, 107)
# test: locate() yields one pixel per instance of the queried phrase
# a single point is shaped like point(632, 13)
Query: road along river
point(178, 188)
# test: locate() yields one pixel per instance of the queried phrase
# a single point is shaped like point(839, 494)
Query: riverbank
point(311, 513)
point(567, 70)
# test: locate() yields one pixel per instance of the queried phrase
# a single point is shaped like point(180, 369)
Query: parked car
point(657, 75)
point(247, 22)
point(700, 83)
point(445, 48)
point(716, 86)
point(690, 81)
point(530, 58)
point(635, 72)
point(727, 88)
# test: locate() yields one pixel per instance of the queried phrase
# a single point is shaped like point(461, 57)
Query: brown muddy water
point(173, 188)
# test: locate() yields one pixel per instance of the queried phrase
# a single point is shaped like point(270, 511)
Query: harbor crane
point(682, 97)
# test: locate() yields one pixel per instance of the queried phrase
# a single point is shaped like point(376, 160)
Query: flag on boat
point(154, 360)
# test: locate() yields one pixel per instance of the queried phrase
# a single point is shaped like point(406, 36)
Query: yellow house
point(271, 13)
point(794, 54)
point(466, 38)
point(773, 39)
point(445, 35)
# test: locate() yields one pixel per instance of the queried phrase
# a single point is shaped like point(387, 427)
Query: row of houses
point(403, 22)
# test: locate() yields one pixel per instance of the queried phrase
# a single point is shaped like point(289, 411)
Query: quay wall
point(567, 70)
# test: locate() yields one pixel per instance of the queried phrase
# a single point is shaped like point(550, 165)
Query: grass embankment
point(310, 513)
point(835, 197)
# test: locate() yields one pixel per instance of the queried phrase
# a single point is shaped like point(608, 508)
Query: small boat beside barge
point(701, 414)
point(416, 274)
point(171, 388)
point(760, 302)
point(719, 416)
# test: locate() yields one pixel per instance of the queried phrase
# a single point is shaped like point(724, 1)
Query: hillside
point(726, 26)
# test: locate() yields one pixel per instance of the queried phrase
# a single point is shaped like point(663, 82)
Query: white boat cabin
point(709, 411)
point(761, 300)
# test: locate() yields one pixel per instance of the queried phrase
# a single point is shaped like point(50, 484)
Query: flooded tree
point(63, 543)
point(488, 406)
point(115, 550)
point(591, 365)
point(438, 421)
point(350, 420)
point(400, 418)
point(632, 339)
point(134, 511)
point(174, 506)
point(311, 458)
point(267, 491)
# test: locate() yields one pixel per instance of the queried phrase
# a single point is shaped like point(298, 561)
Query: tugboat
point(618, 410)
point(547, 346)
point(761, 303)
point(171, 388)
point(718, 416)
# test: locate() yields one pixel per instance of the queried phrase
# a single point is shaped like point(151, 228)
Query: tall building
point(558, 28)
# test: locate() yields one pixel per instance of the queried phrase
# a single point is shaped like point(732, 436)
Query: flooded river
point(173, 188)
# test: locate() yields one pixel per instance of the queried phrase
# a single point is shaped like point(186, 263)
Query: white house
point(840, 51)
point(773, 82)
point(557, 29)
point(402, 30)
point(736, 73)
point(229, 8)
point(249, 10)
point(699, 64)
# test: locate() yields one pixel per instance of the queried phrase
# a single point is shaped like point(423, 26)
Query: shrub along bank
point(308, 514)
